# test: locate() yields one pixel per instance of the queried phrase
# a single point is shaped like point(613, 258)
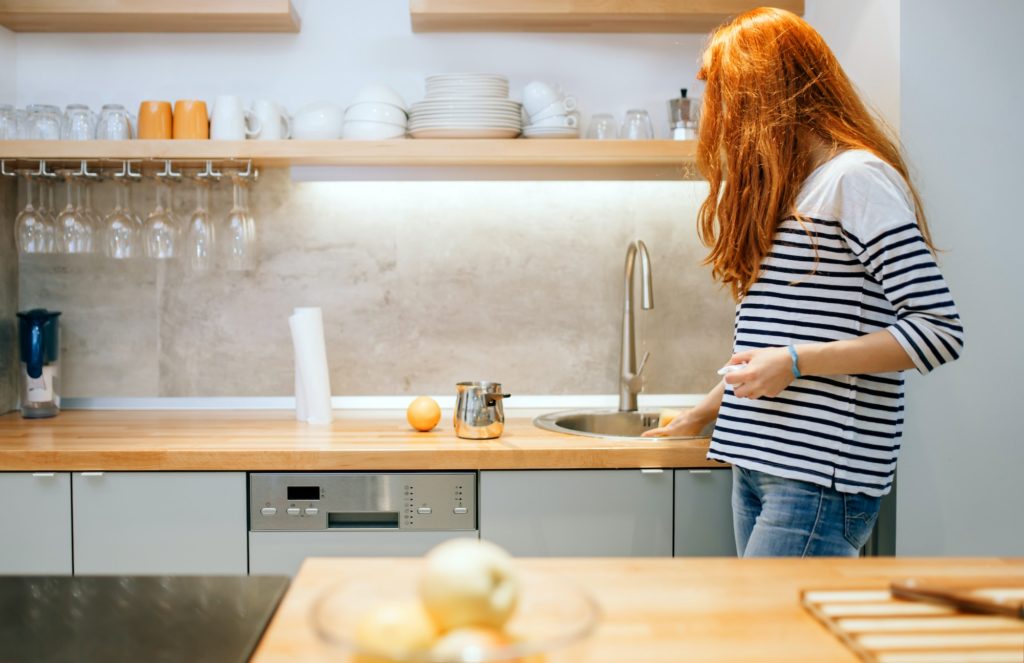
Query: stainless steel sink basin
point(604, 423)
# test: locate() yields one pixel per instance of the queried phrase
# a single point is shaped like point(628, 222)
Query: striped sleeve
point(882, 231)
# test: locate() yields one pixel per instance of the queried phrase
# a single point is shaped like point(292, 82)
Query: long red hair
point(774, 90)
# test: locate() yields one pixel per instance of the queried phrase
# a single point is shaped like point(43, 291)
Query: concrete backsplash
point(422, 284)
point(8, 297)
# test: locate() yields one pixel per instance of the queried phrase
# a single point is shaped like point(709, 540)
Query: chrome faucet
point(631, 377)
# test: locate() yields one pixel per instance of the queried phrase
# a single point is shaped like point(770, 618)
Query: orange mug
point(190, 120)
point(155, 120)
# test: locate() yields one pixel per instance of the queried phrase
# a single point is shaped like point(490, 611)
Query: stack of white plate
point(467, 85)
point(466, 106)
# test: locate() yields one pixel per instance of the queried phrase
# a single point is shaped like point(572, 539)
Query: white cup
point(537, 96)
point(560, 107)
point(229, 121)
point(557, 121)
point(273, 119)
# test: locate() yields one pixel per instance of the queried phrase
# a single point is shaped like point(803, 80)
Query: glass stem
point(28, 192)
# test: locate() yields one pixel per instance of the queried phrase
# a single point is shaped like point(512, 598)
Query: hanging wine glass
point(199, 233)
point(160, 232)
point(74, 234)
point(236, 238)
point(120, 230)
point(33, 233)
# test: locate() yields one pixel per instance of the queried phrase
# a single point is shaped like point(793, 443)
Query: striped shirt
point(873, 271)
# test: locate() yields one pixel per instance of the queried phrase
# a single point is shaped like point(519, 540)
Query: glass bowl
point(551, 623)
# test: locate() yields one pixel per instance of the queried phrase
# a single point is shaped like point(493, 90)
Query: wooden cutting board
point(882, 628)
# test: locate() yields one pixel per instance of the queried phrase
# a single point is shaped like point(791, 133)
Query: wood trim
point(149, 16)
point(674, 159)
point(653, 16)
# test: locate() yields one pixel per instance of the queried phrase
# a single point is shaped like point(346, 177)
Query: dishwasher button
point(423, 510)
point(460, 510)
point(293, 511)
point(312, 511)
point(268, 511)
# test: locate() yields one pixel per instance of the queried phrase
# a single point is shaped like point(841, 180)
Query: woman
point(814, 225)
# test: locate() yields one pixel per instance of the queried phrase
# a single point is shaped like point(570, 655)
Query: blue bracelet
point(796, 369)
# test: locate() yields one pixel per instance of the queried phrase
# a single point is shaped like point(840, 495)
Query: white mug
point(229, 121)
point(274, 121)
point(558, 108)
point(557, 121)
point(537, 96)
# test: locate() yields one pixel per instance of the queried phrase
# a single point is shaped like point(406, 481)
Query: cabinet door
point(586, 513)
point(704, 513)
point(35, 523)
point(160, 522)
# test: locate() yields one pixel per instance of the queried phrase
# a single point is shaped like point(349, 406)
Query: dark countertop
point(135, 618)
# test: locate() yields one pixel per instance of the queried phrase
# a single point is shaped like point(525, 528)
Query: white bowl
point(373, 111)
point(365, 130)
point(321, 120)
point(380, 93)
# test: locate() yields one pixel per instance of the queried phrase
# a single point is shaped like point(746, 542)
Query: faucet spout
point(631, 377)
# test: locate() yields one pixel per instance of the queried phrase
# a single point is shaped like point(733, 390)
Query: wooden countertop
point(273, 440)
point(662, 610)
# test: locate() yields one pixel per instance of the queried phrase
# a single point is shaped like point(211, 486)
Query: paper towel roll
point(312, 380)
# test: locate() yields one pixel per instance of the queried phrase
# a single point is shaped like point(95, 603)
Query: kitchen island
point(254, 440)
point(663, 610)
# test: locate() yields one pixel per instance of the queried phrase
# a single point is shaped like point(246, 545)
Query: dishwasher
point(297, 515)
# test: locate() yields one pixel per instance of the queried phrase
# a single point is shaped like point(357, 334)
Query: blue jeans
point(776, 517)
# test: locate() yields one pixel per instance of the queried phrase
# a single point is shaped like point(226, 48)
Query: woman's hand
point(684, 425)
point(767, 373)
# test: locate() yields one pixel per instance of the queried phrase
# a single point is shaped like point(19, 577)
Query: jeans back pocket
point(861, 512)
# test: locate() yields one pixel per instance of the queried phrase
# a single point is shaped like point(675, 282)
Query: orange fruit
point(423, 413)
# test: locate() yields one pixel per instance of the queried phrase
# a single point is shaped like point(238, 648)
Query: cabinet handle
point(43, 475)
point(700, 471)
point(92, 474)
point(652, 470)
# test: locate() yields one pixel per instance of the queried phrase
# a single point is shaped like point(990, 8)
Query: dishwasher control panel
point(356, 501)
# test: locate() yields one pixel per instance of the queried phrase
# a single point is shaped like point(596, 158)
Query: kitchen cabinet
point(585, 513)
point(703, 513)
point(580, 15)
point(149, 16)
point(35, 523)
point(159, 522)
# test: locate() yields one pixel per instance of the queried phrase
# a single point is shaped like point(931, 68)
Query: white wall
point(961, 487)
point(347, 43)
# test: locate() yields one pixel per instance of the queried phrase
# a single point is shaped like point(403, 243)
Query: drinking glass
point(33, 232)
point(8, 123)
point(199, 233)
point(637, 126)
point(237, 235)
point(74, 233)
point(44, 122)
point(603, 127)
point(114, 123)
point(120, 229)
point(79, 123)
point(160, 231)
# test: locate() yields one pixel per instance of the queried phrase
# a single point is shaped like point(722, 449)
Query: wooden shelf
point(619, 159)
point(149, 16)
point(580, 15)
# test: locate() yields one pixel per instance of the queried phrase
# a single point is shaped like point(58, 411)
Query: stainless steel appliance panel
point(361, 502)
point(283, 552)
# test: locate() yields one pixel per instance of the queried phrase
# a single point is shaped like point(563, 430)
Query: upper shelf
point(578, 159)
point(149, 16)
point(580, 15)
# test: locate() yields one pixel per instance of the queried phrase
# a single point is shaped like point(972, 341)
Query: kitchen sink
point(605, 423)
